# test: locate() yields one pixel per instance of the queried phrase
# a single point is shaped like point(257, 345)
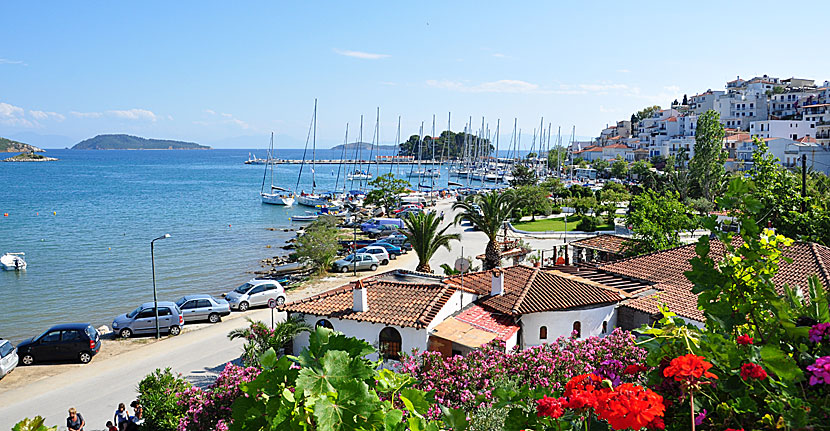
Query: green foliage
point(588, 224)
point(385, 191)
point(10, 146)
point(706, 167)
point(644, 113)
point(641, 168)
point(157, 394)
point(532, 200)
point(657, 221)
point(259, 337)
point(495, 208)
point(34, 424)
point(318, 246)
point(331, 386)
point(557, 157)
point(601, 165)
point(554, 186)
point(619, 169)
point(523, 176)
point(128, 142)
point(423, 230)
point(449, 144)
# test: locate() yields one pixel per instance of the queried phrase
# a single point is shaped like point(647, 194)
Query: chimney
point(497, 285)
point(359, 297)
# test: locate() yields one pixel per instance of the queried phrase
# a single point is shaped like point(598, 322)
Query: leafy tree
point(685, 100)
point(601, 165)
point(157, 393)
point(678, 177)
point(656, 221)
point(495, 209)
point(619, 169)
point(523, 176)
point(554, 187)
point(385, 191)
point(422, 231)
point(641, 168)
point(531, 156)
point(618, 188)
point(582, 205)
point(706, 167)
point(532, 200)
point(645, 113)
point(259, 337)
point(557, 157)
point(318, 246)
point(450, 144)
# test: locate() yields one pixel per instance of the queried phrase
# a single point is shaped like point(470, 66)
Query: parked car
point(406, 207)
point(203, 307)
point(357, 261)
point(8, 357)
point(142, 320)
point(255, 292)
point(379, 252)
point(381, 230)
point(409, 212)
point(380, 221)
point(69, 341)
point(393, 250)
point(399, 240)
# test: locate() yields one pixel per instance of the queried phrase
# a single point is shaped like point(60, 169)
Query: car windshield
point(244, 288)
point(132, 314)
point(349, 258)
point(180, 302)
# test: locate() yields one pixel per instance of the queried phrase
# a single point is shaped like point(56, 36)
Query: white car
point(8, 357)
point(377, 251)
point(255, 292)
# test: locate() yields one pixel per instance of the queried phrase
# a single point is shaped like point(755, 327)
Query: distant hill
point(9, 146)
point(127, 142)
point(366, 146)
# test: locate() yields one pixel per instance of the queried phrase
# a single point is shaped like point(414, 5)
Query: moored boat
point(13, 262)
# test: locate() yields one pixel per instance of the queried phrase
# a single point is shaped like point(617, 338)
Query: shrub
point(556, 210)
point(158, 394)
point(259, 337)
point(588, 224)
point(210, 409)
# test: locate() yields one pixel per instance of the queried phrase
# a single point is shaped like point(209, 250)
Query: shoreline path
point(198, 354)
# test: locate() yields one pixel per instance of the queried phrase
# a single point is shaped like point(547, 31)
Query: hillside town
point(791, 115)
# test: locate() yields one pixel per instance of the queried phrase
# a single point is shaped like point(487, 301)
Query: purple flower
point(820, 371)
point(700, 417)
point(819, 332)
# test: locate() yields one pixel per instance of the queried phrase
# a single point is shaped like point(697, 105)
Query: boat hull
point(10, 262)
point(276, 199)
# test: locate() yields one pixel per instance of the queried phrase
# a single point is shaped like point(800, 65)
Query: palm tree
point(422, 232)
point(487, 213)
point(259, 337)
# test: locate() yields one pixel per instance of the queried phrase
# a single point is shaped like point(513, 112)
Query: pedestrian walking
point(121, 415)
point(75, 422)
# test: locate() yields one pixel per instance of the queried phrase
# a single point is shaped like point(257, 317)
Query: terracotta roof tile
point(392, 303)
point(500, 324)
point(603, 242)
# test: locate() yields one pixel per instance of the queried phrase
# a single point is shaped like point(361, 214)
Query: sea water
point(86, 222)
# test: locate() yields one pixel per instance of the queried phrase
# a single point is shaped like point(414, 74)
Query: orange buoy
point(5, 214)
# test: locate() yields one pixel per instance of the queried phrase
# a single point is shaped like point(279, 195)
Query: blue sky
point(228, 73)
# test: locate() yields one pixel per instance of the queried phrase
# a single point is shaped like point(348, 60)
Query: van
point(381, 221)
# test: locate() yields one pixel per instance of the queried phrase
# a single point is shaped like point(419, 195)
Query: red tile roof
point(500, 324)
point(616, 146)
point(808, 140)
point(397, 303)
point(664, 270)
point(532, 290)
point(604, 242)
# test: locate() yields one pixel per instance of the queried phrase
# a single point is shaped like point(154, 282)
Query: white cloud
point(623, 71)
point(44, 115)
point(134, 114)
point(597, 88)
point(86, 114)
point(11, 115)
point(499, 55)
point(225, 119)
point(210, 111)
point(7, 110)
point(361, 55)
point(7, 61)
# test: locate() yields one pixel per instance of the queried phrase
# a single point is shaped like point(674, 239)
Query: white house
point(792, 129)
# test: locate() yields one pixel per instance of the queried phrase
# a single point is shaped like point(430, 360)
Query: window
point(5, 349)
point(164, 311)
point(390, 343)
point(605, 327)
point(51, 337)
point(324, 323)
point(258, 289)
point(543, 333)
point(146, 314)
point(71, 336)
point(578, 329)
point(203, 303)
point(189, 305)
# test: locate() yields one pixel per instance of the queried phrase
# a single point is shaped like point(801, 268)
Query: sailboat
point(358, 175)
point(325, 200)
point(275, 195)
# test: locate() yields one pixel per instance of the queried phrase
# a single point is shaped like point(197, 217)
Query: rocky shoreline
point(30, 157)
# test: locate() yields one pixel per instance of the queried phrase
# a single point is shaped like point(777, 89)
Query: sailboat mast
point(398, 150)
point(377, 139)
point(314, 150)
point(498, 122)
point(267, 165)
point(342, 156)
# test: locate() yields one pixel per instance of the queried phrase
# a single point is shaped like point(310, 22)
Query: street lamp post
point(155, 297)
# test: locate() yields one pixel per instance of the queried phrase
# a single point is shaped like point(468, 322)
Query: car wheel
point(243, 306)
point(374, 267)
point(126, 333)
point(280, 300)
point(213, 318)
point(84, 357)
point(393, 257)
point(385, 262)
point(175, 330)
point(344, 269)
point(27, 359)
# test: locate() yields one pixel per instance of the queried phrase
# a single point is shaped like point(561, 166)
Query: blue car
point(391, 249)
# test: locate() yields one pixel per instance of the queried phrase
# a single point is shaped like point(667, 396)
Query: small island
point(128, 142)
point(30, 157)
point(9, 146)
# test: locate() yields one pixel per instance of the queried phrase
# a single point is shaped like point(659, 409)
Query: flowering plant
point(210, 408)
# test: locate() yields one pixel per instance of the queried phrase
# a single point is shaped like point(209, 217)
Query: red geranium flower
point(629, 406)
point(656, 424)
point(582, 390)
point(752, 371)
point(634, 369)
point(688, 368)
point(743, 340)
point(550, 407)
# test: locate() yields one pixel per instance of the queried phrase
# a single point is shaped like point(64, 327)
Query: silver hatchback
point(142, 320)
point(255, 292)
point(357, 261)
point(203, 307)
point(8, 357)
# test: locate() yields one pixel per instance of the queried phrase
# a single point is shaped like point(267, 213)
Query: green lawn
point(554, 224)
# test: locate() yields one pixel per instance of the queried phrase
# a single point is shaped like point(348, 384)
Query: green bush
point(158, 394)
point(588, 224)
point(556, 210)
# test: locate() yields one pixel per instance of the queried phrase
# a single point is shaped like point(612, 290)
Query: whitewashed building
point(792, 129)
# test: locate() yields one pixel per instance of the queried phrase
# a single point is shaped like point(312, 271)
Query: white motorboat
point(359, 175)
point(13, 262)
point(309, 216)
point(425, 173)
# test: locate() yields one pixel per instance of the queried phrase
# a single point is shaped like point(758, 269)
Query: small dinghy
point(13, 262)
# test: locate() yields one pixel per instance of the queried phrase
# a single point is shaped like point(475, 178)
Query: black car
point(70, 341)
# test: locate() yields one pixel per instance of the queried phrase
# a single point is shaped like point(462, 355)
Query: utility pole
point(803, 183)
